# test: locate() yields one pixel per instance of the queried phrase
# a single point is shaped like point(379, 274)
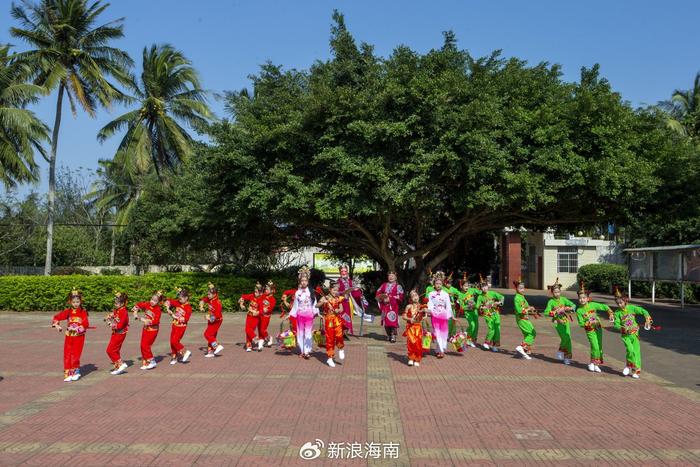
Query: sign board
point(640, 265)
point(329, 265)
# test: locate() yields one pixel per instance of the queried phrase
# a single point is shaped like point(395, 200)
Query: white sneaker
point(151, 365)
point(331, 363)
point(521, 351)
point(186, 356)
point(144, 367)
point(75, 377)
point(567, 361)
point(68, 379)
point(472, 345)
point(120, 370)
point(173, 361)
point(218, 349)
point(560, 355)
point(635, 376)
point(416, 364)
point(341, 354)
point(591, 367)
point(626, 371)
point(597, 369)
point(269, 342)
point(527, 357)
point(209, 355)
point(494, 349)
point(248, 349)
point(260, 345)
point(410, 363)
point(485, 346)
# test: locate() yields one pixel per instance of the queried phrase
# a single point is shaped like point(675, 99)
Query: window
point(567, 259)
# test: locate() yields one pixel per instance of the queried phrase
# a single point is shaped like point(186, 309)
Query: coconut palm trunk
point(52, 183)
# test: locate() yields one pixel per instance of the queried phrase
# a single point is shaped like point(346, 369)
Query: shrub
point(111, 272)
point(49, 293)
point(603, 277)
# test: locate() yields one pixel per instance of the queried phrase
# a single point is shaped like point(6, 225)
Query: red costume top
point(215, 308)
point(253, 303)
point(119, 320)
point(182, 313)
point(390, 309)
point(287, 293)
point(266, 303)
point(152, 313)
point(77, 319)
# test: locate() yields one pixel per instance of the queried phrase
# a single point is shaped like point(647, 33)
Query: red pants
point(115, 346)
point(334, 337)
point(251, 325)
point(293, 324)
point(176, 333)
point(72, 349)
point(262, 326)
point(147, 340)
point(211, 331)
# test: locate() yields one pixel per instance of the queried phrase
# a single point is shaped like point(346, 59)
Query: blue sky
point(646, 48)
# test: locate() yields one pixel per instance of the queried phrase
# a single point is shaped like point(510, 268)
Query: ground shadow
point(87, 369)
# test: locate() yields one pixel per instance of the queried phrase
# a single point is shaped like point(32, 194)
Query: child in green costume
point(522, 312)
point(625, 319)
point(559, 309)
point(466, 297)
point(488, 303)
point(587, 314)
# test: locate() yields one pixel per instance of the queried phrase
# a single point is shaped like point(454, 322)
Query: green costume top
point(487, 300)
point(521, 306)
point(626, 319)
point(588, 316)
point(552, 309)
point(467, 300)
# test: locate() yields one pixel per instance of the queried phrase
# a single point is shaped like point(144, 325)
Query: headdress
point(270, 285)
point(482, 280)
point(464, 280)
point(212, 288)
point(182, 292)
point(258, 287)
point(75, 293)
point(439, 275)
point(516, 283)
point(304, 273)
point(121, 297)
point(618, 294)
point(554, 286)
point(582, 289)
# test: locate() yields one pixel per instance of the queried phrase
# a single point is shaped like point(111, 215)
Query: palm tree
point(21, 133)
point(169, 93)
point(684, 110)
point(116, 191)
point(71, 53)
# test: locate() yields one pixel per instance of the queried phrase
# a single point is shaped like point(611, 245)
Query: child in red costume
point(118, 321)
point(151, 323)
point(252, 320)
point(267, 304)
point(76, 318)
point(214, 320)
point(332, 306)
point(181, 316)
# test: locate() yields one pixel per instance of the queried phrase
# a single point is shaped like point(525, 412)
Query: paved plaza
point(470, 408)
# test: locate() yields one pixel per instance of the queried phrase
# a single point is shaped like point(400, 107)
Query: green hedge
point(602, 277)
point(49, 293)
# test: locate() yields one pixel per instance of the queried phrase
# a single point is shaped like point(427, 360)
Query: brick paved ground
point(473, 408)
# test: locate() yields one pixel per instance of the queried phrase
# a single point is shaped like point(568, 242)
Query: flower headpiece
point(304, 273)
point(618, 294)
point(438, 276)
point(555, 286)
point(75, 293)
point(212, 288)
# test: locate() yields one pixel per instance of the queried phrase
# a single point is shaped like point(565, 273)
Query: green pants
point(564, 332)
point(529, 333)
point(493, 337)
point(472, 317)
point(634, 355)
point(451, 327)
point(595, 338)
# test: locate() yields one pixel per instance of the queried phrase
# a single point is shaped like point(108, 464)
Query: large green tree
point(401, 158)
point(684, 111)
point(21, 132)
point(71, 52)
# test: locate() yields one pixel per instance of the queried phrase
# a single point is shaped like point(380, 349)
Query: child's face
point(303, 283)
point(392, 277)
point(620, 302)
point(556, 293)
point(583, 299)
point(485, 288)
point(334, 291)
point(465, 286)
point(211, 295)
point(75, 302)
point(183, 298)
point(415, 298)
point(117, 302)
point(521, 288)
point(268, 290)
point(154, 300)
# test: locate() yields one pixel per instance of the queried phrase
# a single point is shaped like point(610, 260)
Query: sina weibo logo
point(310, 451)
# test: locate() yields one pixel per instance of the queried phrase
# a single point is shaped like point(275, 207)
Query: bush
point(69, 271)
point(603, 277)
point(666, 290)
point(111, 272)
point(49, 293)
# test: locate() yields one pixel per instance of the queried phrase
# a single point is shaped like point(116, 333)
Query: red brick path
point(476, 408)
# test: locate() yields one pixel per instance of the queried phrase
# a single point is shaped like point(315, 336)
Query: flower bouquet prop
point(287, 339)
point(427, 340)
point(459, 341)
point(319, 337)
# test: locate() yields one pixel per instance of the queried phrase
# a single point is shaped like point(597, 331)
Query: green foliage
point(670, 290)
point(69, 271)
point(603, 277)
point(111, 272)
point(42, 293)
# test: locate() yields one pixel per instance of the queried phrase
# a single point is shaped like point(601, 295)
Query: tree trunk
point(114, 246)
point(52, 182)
